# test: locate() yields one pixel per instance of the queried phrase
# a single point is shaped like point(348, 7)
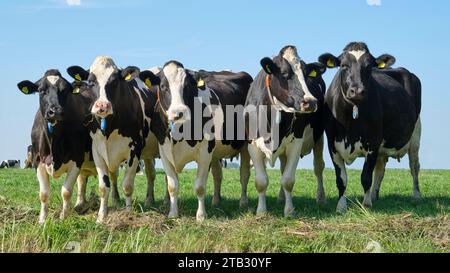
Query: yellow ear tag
point(128, 77)
point(313, 74)
point(382, 65)
point(201, 83)
point(330, 63)
point(148, 83)
point(268, 69)
point(76, 90)
point(25, 90)
point(78, 77)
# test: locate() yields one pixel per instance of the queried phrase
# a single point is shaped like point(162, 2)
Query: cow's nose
point(54, 111)
point(356, 91)
point(175, 115)
point(308, 105)
point(102, 106)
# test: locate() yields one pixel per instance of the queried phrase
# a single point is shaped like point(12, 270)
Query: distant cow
point(29, 159)
point(371, 111)
point(179, 90)
point(8, 164)
point(60, 140)
point(120, 126)
point(295, 90)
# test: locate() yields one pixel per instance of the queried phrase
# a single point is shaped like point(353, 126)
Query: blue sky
point(41, 34)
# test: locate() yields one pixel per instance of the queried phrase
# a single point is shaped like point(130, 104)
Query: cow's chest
point(349, 151)
point(113, 149)
point(224, 151)
point(64, 168)
point(308, 141)
point(181, 152)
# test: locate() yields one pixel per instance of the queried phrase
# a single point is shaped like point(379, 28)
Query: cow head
point(175, 84)
point(106, 81)
point(356, 65)
point(287, 82)
point(53, 91)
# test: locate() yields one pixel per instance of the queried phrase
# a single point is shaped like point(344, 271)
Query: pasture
point(397, 221)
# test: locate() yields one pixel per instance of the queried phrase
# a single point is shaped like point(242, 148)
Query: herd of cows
point(108, 116)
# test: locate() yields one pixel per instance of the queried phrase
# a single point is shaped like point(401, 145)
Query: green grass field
point(397, 221)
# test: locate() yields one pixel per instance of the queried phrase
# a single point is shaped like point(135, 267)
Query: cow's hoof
point(321, 199)
point(116, 203)
point(41, 220)
point(201, 216)
point(149, 203)
point(80, 208)
point(173, 215)
point(243, 203)
point(101, 219)
point(367, 203)
point(342, 206)
point(64, 214)
point(289, 213)
point(417, 195)
point(261, 212)
point(215, 202)
point(129, 208)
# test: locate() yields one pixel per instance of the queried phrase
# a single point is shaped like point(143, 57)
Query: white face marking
point(176, 76)
point(291, 56)
point(53, 79)
point(357, 53)
point(102, 68)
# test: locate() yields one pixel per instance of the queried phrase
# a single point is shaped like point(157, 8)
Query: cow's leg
point(81, 194)
point(151, 176)
point(281, 196)
point(245, 176)
point(261, 179)
point(203, 163)
point(319, 166)
point(414, 163)
point(379, 175)
point(128, 183)
point(66, 190)
point(367, 177)
point(104, 185)
point(216, 170)
point(167, 196)
point(113, 177)
point(341, 181)
point(172, 184)
point(44, 191)
point(288, 177)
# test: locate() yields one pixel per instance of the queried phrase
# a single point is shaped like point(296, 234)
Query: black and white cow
point(294, 91)
point(60, 139)
point(120, 127)
point(8, 164)
point(371, 111)
point(180, 91)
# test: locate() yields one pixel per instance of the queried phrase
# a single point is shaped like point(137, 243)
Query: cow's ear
point(269, 66)
point(77, 86)
point(385, 61)
point(27, 87)
point(78, 73)
point(149, 78)
point(130, 73)
point(329, 60)
point(315, 70)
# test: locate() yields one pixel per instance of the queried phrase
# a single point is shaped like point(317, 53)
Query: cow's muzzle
point(308, 105)
point(102, 109)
